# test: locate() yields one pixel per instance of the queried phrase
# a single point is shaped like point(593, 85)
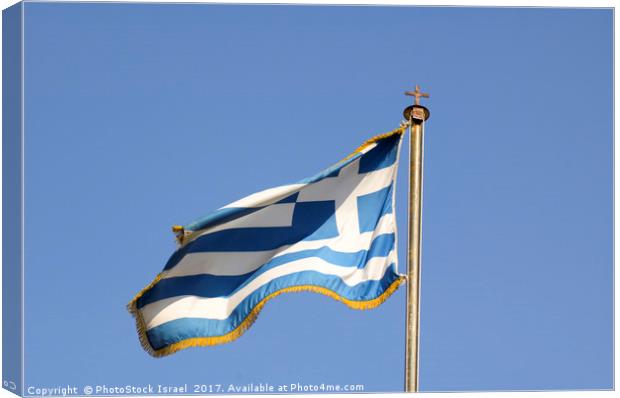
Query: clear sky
point(138, 117)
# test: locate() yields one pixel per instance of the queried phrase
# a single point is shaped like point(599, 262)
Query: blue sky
point(138, 117)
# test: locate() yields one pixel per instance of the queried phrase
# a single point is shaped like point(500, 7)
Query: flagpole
point(416, 115)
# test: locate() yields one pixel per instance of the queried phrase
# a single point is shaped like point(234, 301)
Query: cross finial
point(417, 94)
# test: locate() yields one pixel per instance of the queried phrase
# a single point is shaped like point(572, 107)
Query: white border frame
point(434, 3)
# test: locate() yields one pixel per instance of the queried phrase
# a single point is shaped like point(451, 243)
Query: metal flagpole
point(416, 115)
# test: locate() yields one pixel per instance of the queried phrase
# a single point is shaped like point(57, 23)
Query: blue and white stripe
point(335, 231)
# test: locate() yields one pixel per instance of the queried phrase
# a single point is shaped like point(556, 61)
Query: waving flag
point(334, 233)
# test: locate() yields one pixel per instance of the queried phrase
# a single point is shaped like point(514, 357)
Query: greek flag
point(334, 234)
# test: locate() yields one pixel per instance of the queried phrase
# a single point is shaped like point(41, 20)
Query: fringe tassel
point(141, 328)
point(132, 307)
point(249, 320)
point(376, 138)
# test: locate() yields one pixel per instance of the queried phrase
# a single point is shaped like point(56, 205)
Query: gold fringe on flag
point(249, 320)
point(376, 138)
